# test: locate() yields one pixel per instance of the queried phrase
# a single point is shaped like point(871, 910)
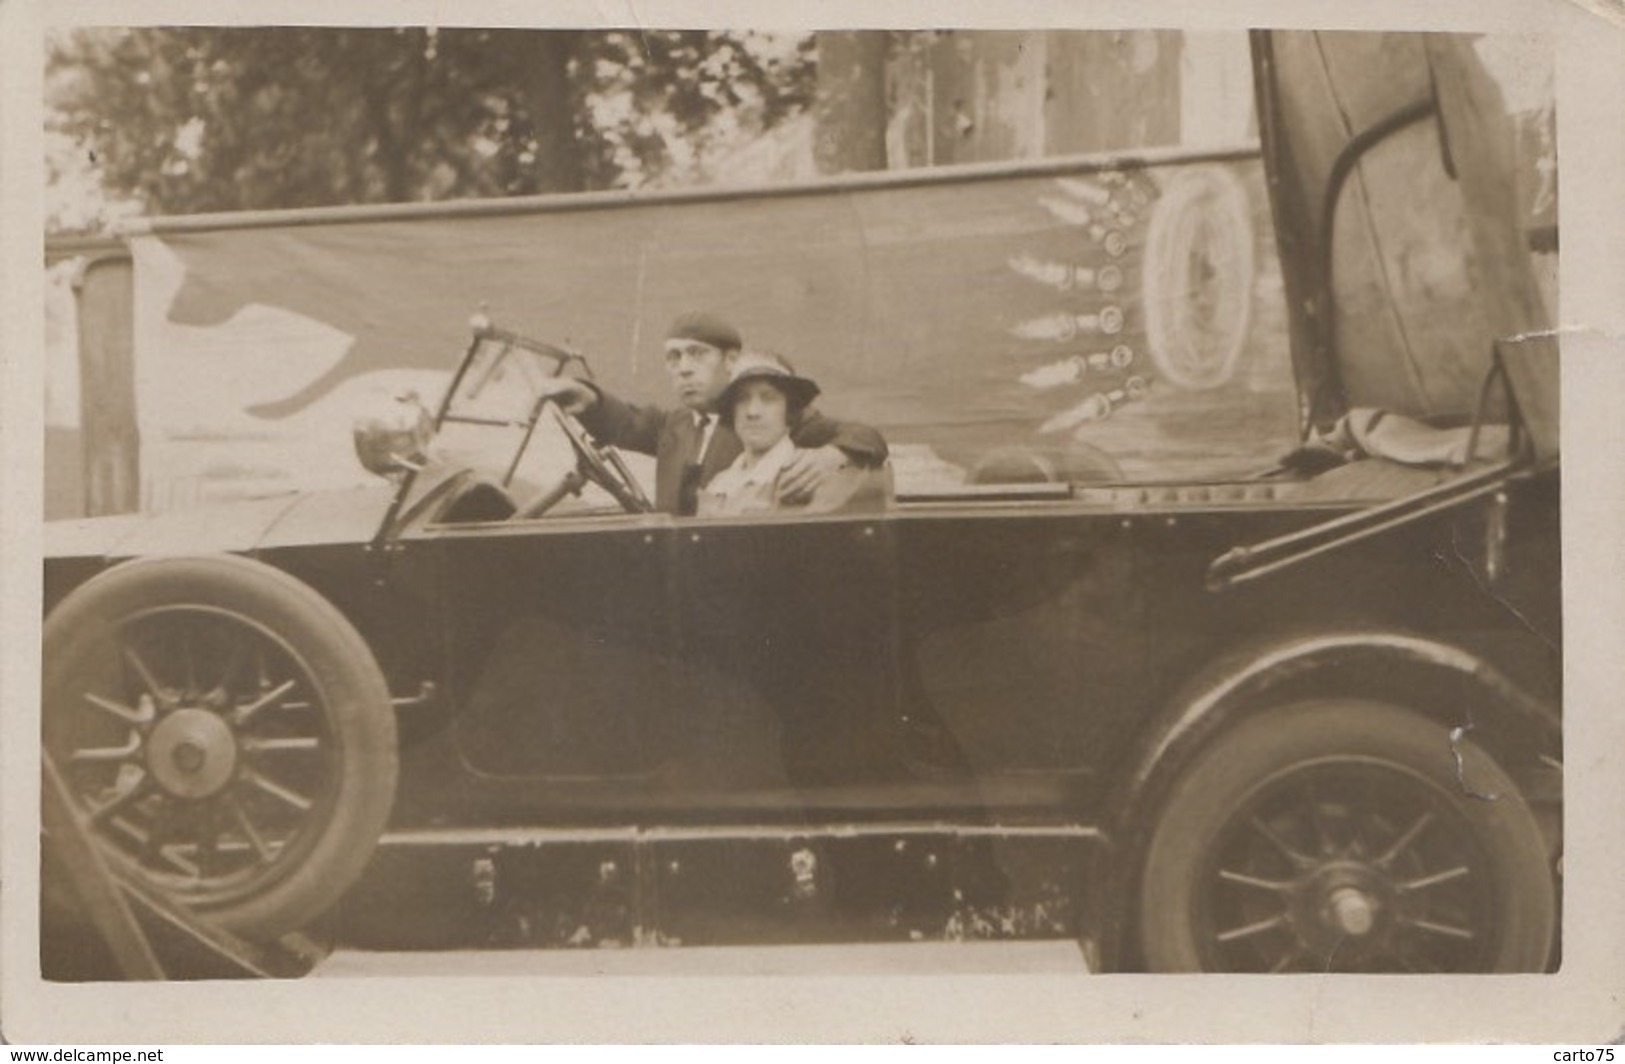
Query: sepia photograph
point(626, 502)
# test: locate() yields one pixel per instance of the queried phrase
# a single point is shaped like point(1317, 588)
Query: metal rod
point(69, 837)
point(524, 444)
point(581, 201)
point(1248, 563)
point(740, 832)
point(404, 489)
point(570, 484)
point(427, 694)
point(1342, 168)
point(1493, 474)
point(510, 339)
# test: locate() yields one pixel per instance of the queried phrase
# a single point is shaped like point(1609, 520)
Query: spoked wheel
point(226, 734)
point(1338, 836)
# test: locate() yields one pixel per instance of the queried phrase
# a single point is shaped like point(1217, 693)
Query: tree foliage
point(192, 119)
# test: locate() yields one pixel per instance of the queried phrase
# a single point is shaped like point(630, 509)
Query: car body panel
point(90, 537)
point(594, 669)
point(324, 517)
point(313, 518)
point(210, 527)
point(1038, 641)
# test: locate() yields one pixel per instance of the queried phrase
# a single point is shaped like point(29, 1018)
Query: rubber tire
point(1226, 773)
point(347, 678)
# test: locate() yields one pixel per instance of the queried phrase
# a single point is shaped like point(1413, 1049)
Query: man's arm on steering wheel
point(611, 421)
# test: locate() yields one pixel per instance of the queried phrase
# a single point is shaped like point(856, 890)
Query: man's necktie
point(688, 486)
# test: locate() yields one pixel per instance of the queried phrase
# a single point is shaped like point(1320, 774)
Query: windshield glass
point(490, 420)
point(501, 381)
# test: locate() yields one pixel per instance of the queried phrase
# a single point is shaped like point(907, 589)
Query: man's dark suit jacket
point(670, 435)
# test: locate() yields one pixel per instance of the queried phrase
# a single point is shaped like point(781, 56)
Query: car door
point(557, 640)
point(786, 631)
point(1022, 626)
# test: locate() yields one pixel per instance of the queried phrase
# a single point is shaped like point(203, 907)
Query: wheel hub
point(1342, 903)
point(1352, 911)
point(192, 753)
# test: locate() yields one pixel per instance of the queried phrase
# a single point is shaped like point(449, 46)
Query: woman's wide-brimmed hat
point(765, 366)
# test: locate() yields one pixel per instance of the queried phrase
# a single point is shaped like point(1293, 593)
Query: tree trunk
point(549, 99)
point(850, 105)
point(403, 121)
point(104, 298)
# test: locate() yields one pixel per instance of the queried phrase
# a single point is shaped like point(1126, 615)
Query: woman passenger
point(762, 403)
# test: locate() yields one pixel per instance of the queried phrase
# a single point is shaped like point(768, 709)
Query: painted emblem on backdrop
point(1157, 292)
point(1197, 278)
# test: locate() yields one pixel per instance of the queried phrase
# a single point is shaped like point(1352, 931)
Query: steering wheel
point(599, 465)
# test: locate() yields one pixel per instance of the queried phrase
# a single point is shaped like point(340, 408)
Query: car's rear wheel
point(1345, 836)
point(226, 734)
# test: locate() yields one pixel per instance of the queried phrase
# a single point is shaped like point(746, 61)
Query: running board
point(531, 836)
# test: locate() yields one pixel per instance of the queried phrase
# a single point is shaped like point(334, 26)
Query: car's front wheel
point(226, 734)
point(1350, 836)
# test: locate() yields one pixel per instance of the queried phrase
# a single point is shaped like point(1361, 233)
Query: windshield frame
point(485, 333)
point(508, 344)
point(508, 347)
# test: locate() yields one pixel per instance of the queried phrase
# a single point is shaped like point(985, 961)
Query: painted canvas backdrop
point(1104, 316)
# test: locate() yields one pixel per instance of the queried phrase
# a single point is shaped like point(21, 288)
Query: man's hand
point(573, 396)
point(807, 471)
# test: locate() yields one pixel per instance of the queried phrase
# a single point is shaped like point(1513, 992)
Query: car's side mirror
point(394, 437)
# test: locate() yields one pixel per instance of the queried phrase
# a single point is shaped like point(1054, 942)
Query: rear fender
point(1442, 681)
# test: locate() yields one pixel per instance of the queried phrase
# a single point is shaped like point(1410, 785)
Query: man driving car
point(690, 444)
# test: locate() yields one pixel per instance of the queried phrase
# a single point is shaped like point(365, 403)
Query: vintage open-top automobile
point(1304, 720)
